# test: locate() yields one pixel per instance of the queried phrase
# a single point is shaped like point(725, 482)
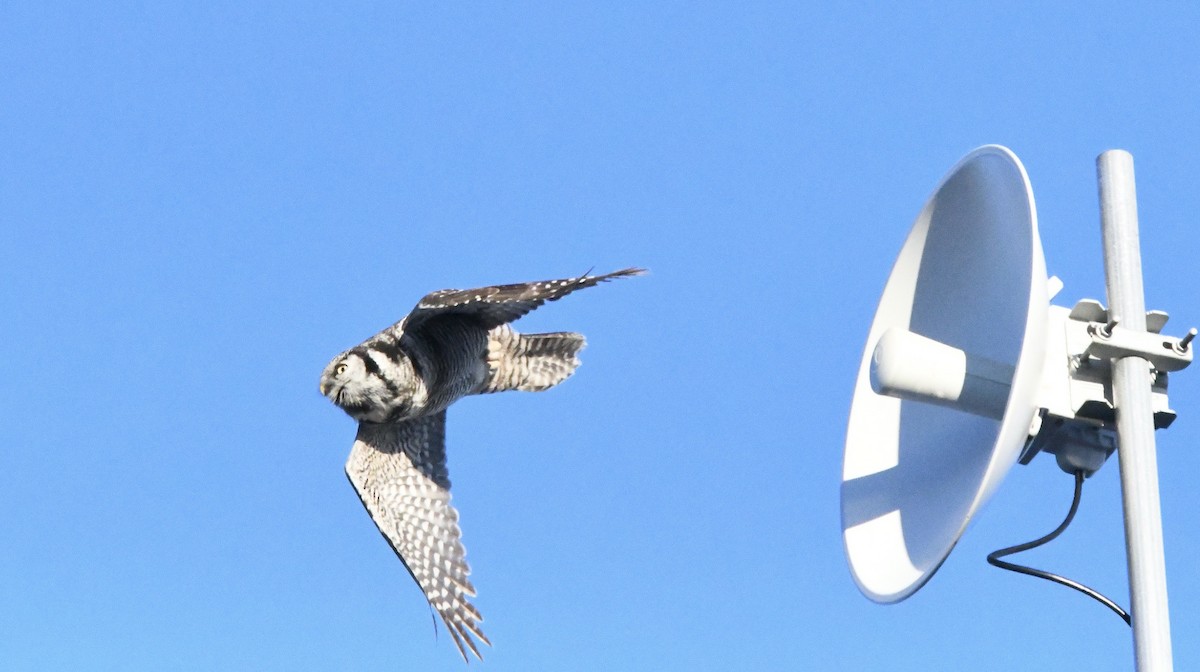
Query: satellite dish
point(947, 387)
point(968, 369)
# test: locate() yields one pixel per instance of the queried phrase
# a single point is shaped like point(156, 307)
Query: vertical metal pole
point(1135, 417)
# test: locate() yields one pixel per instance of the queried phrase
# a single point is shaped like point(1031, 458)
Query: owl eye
point(341, 368)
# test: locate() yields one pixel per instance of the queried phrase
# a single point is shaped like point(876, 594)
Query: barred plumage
point(398, 384)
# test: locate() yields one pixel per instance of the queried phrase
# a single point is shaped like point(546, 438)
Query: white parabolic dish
point(971, 275)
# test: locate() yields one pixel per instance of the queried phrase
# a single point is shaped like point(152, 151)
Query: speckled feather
point(399, 472)
point(501, 304)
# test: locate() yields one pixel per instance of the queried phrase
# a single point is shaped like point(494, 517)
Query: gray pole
point(1135, 417)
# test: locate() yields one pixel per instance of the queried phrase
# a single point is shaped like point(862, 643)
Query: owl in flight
point(397, 385)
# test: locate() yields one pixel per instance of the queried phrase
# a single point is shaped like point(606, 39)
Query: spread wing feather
point(501, 304)
point(399, 472)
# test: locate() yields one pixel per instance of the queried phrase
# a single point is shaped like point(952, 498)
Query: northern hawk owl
point(397, 385)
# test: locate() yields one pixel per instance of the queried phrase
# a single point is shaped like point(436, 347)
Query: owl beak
point(324, 389)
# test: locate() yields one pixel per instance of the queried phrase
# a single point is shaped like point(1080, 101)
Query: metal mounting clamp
point(1165, 353)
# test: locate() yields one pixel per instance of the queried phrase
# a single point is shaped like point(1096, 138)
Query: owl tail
point(530, 362)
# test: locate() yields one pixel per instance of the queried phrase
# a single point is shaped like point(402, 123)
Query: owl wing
point(399, 472)
point(501, 304)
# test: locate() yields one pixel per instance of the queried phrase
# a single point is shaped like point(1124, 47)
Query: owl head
point(353, 382)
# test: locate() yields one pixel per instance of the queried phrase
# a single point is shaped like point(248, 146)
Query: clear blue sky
point(201, 204)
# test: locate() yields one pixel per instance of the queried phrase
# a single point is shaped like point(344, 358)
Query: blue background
point(201, 204)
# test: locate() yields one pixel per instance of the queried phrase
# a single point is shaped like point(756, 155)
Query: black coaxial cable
point(994, 558)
